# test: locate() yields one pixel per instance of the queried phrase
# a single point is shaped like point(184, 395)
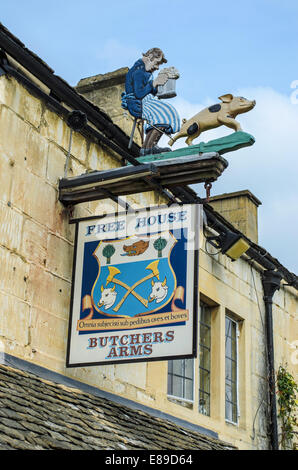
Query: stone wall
point(105, 92)
point(241, 209)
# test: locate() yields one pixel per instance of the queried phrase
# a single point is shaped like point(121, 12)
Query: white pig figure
point(159, 291)
point(220, 114)
point(108, 297)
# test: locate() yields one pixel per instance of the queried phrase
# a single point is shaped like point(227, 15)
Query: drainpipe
point(271, 283)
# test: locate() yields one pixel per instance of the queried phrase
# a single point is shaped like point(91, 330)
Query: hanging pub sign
point(134, 289)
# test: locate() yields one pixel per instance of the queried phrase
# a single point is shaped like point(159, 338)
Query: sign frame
point(197, 217)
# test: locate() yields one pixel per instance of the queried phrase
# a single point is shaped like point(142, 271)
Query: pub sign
point(134, 288)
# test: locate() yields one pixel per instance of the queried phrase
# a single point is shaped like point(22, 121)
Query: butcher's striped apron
point(159, 113)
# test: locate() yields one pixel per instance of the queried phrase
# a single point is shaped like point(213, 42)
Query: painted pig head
point(136, 248)
point(237, 104)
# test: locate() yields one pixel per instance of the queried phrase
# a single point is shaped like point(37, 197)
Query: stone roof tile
point(38, 414)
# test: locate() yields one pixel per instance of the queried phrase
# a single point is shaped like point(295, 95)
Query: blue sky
point(240, 47)
point(214, 44)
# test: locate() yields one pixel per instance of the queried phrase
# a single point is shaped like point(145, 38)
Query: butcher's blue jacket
point(140, 100)
point(138, 84)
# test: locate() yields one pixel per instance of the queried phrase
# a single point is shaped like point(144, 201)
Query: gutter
point(271, 283)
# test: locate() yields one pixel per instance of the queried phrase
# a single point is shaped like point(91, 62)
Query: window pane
point(234, 349)
point(177, 387)
point(204, 359)
point(205, 380)
point(229, 411)
point(229, 392)
point(180, 378)
point(204, 403)
point(170, 383)
point(228, 347)
point(205, 315)
point(189, 368)
point(228, 327)
point(234, 371)
point(235, 413)
point(205, 335)
point(231, 370)
point(177, 367)
point(228, 369)
point(188, 389)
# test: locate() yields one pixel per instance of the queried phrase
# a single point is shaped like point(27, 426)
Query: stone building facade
point(36, 251)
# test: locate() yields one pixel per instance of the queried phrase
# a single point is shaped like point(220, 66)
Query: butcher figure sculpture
point(140, 99)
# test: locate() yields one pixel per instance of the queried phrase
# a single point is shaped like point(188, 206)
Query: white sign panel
point(134, 290)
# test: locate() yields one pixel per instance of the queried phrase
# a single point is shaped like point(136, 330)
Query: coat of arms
point(135, 275)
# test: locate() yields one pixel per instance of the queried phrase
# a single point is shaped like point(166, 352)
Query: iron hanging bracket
point(208, 187)
point(76, 120)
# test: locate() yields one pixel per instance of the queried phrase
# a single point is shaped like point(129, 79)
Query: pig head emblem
point(221, 114)
point(136, 248)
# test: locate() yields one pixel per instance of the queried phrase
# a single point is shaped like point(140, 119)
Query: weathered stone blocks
point(14, 274)
point(48, 292)
point(34, 242)
point(59, 256)
point(23, 103)
point(34, 197)
point(14, 319)
point(11, 223)
point(48, 332)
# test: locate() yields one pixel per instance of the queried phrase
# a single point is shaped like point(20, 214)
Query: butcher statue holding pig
point(146, 97)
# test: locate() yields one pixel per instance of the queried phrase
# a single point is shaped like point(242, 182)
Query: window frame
point(227, 420)
point(199, 367)
point(182, 399)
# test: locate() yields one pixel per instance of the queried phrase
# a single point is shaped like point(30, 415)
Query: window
point(181, 379)
point(181, 371)
point(204, 359)
point(185, 388)
point(231, 367)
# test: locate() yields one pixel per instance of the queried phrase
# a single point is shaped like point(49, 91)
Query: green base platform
point(229, 143)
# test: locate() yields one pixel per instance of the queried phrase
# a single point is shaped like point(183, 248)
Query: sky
point(246, 48)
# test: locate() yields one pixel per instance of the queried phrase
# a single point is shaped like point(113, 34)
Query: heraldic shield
point(135, 275)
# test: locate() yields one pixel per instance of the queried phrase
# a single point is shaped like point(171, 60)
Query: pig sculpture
point(221, 114)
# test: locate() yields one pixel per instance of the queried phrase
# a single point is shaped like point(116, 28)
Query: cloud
point(268, 169)
point(114, 54)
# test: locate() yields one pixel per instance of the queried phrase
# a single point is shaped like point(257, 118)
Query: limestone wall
point(36, 251)
point(105, 92)
point(241, 209)
point(36, 240)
